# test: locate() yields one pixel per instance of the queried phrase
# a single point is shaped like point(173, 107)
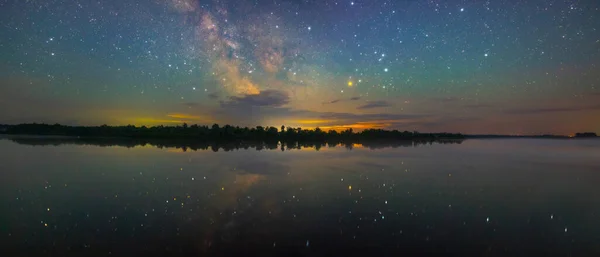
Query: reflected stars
point(293, 200)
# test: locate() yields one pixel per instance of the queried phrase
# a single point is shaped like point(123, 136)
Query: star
point(246, 52)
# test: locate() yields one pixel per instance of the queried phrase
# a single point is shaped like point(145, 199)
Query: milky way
point(517, 67)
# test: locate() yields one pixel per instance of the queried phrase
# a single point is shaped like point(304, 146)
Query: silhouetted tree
point(292, 137)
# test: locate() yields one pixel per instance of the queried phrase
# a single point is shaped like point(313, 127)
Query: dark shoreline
point(203, 135)
point(215, 145)
point(218, 133)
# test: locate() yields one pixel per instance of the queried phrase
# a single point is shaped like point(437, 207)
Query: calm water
point(479, 198)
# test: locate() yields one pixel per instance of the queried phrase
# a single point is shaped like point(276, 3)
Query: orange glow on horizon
point(357, 126)
point(183, 116)
point(152, 121)
point(313, 121)
point(177, 118)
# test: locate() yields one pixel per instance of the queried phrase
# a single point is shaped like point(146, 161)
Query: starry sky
point(510, 67)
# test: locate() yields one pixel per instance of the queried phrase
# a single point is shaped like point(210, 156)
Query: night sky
point(511, 67)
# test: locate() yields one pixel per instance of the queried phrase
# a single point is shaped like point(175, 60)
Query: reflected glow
point(292, 197)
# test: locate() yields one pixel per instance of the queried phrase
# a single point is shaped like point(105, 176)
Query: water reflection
point(479, 198)
point(215, 146)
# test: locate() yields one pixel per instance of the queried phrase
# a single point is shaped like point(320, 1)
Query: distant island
point(576, 135)
point(586, 134)
point(224, 133)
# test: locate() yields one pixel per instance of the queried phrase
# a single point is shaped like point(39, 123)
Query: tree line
point(227, 132)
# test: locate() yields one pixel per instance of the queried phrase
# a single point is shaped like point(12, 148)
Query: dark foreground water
point(479, 198)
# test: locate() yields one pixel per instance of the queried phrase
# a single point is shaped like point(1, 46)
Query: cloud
point(255, 110)
point(342, 100)
point(313, 121)
point(552, 110)
point(268, 98)
point(213, 95)
point(366, 117)
point(374, 104)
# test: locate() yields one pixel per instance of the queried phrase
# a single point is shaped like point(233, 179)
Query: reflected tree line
point(225, 133)
point(193, 145)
